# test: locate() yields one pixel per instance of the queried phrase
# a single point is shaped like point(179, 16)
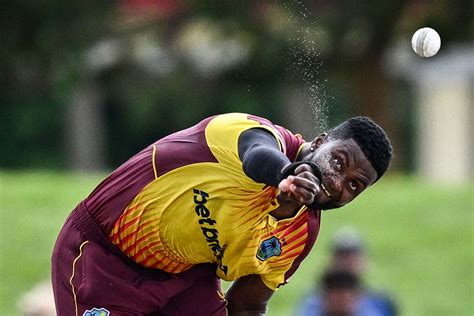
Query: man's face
point(340, 301)
point(349, 260)
point(345, 171)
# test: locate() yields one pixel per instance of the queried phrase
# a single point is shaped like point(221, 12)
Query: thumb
point(285, 184)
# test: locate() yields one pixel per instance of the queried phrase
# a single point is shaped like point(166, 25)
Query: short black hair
point(340, 279)
point(370, 137)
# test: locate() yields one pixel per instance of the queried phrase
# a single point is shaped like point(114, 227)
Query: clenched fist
point(300, 188)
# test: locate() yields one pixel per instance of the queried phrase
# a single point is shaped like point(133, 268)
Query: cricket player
point(234, 197)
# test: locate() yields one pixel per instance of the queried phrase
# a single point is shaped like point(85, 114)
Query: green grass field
point(419, 237)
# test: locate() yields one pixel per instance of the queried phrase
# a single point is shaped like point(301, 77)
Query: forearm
point(262, 160)
point(248, 296)
point(264, 165)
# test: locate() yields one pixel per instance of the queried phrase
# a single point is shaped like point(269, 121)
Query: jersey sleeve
point(296, 243)
point(261, 158)
point(292, 142)
point(222, 137)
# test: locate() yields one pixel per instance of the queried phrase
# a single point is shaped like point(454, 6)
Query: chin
point(324, 205)
point(329, 206)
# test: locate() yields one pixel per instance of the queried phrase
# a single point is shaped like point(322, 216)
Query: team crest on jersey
point(269, 248)
point(96, 312)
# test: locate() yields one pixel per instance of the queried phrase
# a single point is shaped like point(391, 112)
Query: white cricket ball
point(426, 42)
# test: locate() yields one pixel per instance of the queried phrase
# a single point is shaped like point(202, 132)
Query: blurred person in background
point(348, 251)
point(340, 295)
point(234, 197)
point(345, 271)
point(38, 301)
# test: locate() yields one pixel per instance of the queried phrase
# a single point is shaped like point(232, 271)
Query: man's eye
point(353, 185)
point(336, 164)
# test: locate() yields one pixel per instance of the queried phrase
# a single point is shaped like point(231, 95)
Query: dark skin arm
point(263, 161)
point(248, 296)
point(261, 157)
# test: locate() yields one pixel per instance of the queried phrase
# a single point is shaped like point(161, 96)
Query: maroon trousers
point(92, 277)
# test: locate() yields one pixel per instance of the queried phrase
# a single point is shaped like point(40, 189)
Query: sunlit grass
point(419, 237)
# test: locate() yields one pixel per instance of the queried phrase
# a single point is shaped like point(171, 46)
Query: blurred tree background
point(86, 84)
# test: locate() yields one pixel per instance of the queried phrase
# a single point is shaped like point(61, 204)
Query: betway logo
point(206, 223)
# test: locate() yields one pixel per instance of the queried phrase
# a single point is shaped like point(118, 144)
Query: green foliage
point(45, 59)
point(419, 236)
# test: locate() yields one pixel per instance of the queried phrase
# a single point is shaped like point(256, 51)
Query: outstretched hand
point(300, 188)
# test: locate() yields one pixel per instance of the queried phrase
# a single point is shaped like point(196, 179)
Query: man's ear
point(319, 140)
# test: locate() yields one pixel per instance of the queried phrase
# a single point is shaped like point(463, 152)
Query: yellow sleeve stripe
point(153, 161)
point(73, 272)
point(299, 149)
point(269, 284)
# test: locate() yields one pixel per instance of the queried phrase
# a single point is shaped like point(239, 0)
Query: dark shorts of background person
point(89, 272)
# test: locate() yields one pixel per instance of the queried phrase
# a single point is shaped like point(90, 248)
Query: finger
point(302, 195)
point(303, 168)
point(302, 187)
point(310, 185)
point(284, 184)
point(308, 175)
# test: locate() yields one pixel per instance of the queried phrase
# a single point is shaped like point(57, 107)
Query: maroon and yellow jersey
point(186, 200)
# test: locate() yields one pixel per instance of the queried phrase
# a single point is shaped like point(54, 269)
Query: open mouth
point(325, 190)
